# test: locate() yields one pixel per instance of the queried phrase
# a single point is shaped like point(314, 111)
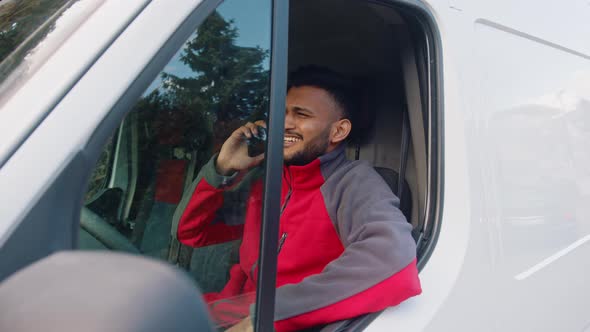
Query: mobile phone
point(256, 144)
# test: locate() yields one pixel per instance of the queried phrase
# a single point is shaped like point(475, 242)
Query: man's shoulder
point(355, 194)
point(356, 170)
point(357, 176)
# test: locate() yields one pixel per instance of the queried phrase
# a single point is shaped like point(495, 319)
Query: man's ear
point(340, 130)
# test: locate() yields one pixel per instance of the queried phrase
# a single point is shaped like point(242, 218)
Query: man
point(345, 247)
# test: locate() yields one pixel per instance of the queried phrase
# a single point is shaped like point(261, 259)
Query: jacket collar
point(314, 174)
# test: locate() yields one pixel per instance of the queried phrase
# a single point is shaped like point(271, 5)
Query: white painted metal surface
point(513, 250)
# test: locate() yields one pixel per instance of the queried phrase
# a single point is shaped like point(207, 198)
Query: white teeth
point(292, 139)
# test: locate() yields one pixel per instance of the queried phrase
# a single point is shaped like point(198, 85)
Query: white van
point(476, 113)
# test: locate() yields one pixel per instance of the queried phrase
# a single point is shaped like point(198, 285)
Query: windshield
point(30, 32)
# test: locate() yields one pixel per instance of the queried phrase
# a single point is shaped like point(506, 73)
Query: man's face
point(309, 116)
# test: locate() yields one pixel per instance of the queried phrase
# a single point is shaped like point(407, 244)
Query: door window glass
point(161, 193)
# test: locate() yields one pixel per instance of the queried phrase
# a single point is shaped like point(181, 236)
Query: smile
point(291, 139)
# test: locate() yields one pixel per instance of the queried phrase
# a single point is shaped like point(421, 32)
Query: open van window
point(202, 95)
point(392, 49)
point(217, 81)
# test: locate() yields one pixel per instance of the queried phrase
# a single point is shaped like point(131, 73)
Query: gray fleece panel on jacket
point(376, 236)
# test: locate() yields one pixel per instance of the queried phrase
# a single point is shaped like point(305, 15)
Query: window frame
point(430, 72)
point(265, 295)
point(81, 152)
point(110, 162)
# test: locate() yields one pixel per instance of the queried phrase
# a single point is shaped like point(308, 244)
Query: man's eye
point(303, 115)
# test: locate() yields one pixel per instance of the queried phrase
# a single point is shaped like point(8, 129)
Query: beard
point(315, 148)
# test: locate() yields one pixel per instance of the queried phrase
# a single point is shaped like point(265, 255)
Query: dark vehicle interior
point(372, 42)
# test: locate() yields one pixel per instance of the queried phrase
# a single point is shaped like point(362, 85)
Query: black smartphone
point(256, 143)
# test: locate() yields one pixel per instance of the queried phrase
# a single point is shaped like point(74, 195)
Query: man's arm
point(211, 213)
point(202, 221)
point(376, 270)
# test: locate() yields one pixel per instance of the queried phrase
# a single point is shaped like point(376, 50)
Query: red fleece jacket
point(345, 248)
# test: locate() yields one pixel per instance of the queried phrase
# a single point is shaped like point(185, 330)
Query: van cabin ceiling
point(348, 36)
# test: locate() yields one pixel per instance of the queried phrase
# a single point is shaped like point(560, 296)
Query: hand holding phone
point(256, 144)
point(243, 150)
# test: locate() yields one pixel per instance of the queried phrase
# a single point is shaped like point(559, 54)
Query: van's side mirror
point(101, 291)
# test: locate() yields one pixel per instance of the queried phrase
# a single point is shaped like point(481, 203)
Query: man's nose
point(289, 121)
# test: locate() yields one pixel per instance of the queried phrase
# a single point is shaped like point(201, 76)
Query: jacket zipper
point(282, 241)
point(288, 196)
point(284, 235)
point(283, 207)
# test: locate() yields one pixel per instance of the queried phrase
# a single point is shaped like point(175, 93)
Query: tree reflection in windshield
point(220, 84)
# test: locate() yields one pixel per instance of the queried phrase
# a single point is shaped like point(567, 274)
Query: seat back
point(391, 177)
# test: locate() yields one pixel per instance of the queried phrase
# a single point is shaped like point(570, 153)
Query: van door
point(63, 150)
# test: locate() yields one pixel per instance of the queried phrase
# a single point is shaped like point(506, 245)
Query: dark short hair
point(342, 89)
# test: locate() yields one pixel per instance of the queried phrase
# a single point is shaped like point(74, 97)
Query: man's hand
point(243, 326)
point(233, 156)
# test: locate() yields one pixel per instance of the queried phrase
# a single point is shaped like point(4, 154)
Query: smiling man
point(345, 247)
